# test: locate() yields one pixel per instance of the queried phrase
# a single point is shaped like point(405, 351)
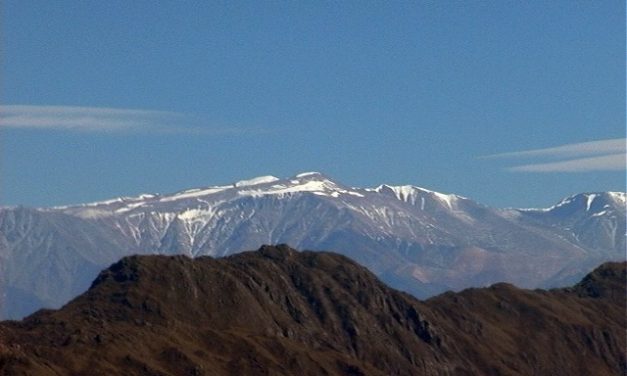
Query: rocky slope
point(281, 312)
point(417, 240)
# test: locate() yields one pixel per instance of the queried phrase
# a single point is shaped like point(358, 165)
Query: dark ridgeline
point(280, 312)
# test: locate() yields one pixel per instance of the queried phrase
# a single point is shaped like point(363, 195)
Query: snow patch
point(318, 187)
point(448, 199)
point(256, 181)
point(589, 201)
point(307, 174)
point(410, 193)
point(194, 214)
point(618, 197)
point(92, 213)
point(565, 201)
point(129, 207)
point(192, 193)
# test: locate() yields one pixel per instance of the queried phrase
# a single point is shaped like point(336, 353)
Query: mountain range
point(419, 241)
point(277, 311)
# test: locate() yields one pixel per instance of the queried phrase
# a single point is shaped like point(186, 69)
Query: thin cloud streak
point(91, 119)
point(612, 162)
point(601, 155)
point(591, 148)
point(97, 119)
point(104, 111)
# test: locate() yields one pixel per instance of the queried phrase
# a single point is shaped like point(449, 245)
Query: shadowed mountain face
point(416, 240)
point(281, 312)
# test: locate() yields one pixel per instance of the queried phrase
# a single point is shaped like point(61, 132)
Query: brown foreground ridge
point(277, 311)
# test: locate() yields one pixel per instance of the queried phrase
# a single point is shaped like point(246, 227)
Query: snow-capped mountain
point(416, 240)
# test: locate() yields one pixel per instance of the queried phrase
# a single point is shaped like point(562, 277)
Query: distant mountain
point(417, 240)
point(281, 312)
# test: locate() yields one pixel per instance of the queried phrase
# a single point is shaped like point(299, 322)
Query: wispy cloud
point(612, 162)
point(97, 119)
point(615, 145)
point(601, 155)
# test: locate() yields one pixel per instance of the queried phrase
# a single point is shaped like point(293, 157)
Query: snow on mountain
point(256, 181)
point(594, 221)
point(412, 194)
point(620, 198)
point(415, 239)
point(584, 205)
point(309, 182)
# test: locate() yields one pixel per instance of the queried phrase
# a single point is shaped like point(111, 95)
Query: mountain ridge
point(420, 241)
point(280, 311)
point(267, 179)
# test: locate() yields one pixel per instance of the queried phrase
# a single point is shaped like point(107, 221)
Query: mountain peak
point(589, 202)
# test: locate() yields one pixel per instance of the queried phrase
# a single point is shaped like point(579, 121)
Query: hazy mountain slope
point(596, 221)
point(278, 311)
point(419, 241)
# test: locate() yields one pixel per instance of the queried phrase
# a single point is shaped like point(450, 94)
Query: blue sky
point(104, 99)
